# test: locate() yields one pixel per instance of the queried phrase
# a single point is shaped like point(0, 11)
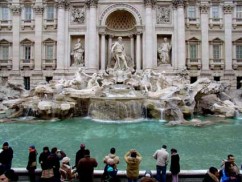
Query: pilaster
point(16, 12)
point(228, 9)
point(38, 9)
point(92, 34)
point(204, 9)
point(149, 41)
point(174, 39)
point(138, 51)
point(181, 46)
point(61, 5)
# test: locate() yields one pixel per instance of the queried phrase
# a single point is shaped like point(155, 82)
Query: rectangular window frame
point(239, 12)
point(5, 13)
point(27, 14)
point(193, 51)
point(50, 13)
point(49, 53)
point(239, 52)
point(191, 13)
point(216, 51)
point(5, 52)
point(27, 53)
point(215, 15)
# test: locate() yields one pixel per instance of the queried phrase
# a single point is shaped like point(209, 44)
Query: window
point(191, 13)
point(239, 52)
point(50, 13)
point(239, 79)
point(48, 78)
point(5, 13)
point(49, 52)
point(27, 13)
point(216, 78)
point(27, 83)
point(216, 52)
point(193, 79)
point(193, 51)
point(5, 52)
point(239, 12)
point(215, 13)
point(27, 54)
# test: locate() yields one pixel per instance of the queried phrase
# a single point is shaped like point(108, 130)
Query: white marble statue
point(119, 55)
point(77, 53)
point(163, 52)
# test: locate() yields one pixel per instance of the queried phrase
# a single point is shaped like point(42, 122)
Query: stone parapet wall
point(184, 176)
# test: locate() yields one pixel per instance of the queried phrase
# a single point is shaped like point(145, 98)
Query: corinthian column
point(38, 9)
point(228, 9)
point(92, 35)
point(16, 11)
point(204, 7)
point(148, 62)
point(174, 38)
point(103, 52)
point(181, 48)
point(61, 4)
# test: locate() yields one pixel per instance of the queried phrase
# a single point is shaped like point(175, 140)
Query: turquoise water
point(199, 147)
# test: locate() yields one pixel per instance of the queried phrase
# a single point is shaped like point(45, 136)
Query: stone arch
point(120, 6)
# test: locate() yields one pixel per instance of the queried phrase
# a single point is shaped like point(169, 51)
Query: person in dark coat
point(86, 167)
point(80, 153)
point(6, 157)
point(32, 163)
point(175, 165)
point(54, 162)
point(43, 158)
point(212, 175)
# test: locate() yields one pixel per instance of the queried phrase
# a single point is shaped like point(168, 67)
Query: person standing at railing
point(6, 156)
point(32, 164)
point(162, 157)
point(133, 159)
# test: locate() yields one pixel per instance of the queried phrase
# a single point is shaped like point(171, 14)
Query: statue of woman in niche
point(119, 55)
point(77, 53)
point(163, 52)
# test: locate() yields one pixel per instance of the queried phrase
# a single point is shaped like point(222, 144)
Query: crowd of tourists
point(55, 166)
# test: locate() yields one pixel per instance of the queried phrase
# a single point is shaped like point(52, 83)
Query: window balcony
point(6, 63)
point(216, 64)
point(50, 23)
point(237, 63)
point(194, 63)
point(28, 23)
point(192, 21)
point(49, 63)
point(6, 24)
point(27, 63)
point(237, 22)
point(215, 22)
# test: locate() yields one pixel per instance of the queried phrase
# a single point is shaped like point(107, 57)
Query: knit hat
point(5, 144)
point(32, 146)
point(66, 160)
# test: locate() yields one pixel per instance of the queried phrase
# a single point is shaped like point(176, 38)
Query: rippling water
point(199, 147)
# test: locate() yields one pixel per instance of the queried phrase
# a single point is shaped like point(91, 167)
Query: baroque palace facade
point(50, 39)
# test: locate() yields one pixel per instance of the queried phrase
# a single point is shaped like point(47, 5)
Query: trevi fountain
point(125, 108)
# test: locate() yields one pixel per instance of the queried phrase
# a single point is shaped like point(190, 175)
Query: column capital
point(204, 8)
point(228, 8)
point(62, 3)
point(178, 3)
point(38, 9)
point(91, 3)
point(16, 9)
point(150, 2)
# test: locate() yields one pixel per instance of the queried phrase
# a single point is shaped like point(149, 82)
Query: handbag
point(33, 164)
point(47, 173)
